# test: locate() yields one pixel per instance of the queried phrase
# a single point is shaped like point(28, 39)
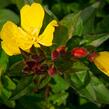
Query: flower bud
point(79, 52)
point(92, 56)
point(61, 50)
point(54, 55)
point(102, 62)
point(52, 71)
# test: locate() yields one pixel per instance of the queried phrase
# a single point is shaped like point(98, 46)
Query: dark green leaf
point(61, 85)
point(15, 70)
point(31, 101)
point(4, 93)
point(25, 85)
point(3, 62)
point(10, 103)
point(8, 83)
point(85, 22)
point(103, 25)
point(44, 82)
point(98, 41)
point(70, 22)
point(59, 98)
point(5, 15)
point(88, 85)
point(81, 22)
point(60, 36)
point(4, 3)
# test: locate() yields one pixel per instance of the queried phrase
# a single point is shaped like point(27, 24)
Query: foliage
point(77, 83)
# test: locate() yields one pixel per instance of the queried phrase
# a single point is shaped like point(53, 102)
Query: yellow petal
point(24, 40)
point(14, 38)
point(102, 62)
point(9, 44)
point(46, 37)
point(36, 45)
point(32, 18)
point(10, 49)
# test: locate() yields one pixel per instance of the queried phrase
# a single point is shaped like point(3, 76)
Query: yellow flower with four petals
point(15, 38)
point(102, 62)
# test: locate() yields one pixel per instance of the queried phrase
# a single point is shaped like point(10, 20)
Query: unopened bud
point(79, 52)
point(54, 55)
point(52, 71)
point(92, 56)
point(61, 50)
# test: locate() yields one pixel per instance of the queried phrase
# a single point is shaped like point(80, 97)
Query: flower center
point(34, 31)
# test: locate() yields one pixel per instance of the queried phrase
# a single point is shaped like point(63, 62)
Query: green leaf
point(25, 86)
point(61, 85)
point(49, 16)
point(8, 83)
point(4, 3)
point(61, 9)
point(58, 98)
point(10, 103)
point(103, 25)
point(19, 3)
point(85, 22)
point(98, 41)
point(31, 101)
point(88, 85)
point(3, 62)
point(89, 105)
point(15, 69)
point(44, 82)
point(15, 59)
point(100, 90)
point(81, 78)
point(70, 22)
point(60, 36)
point(63, 63)
point(81, 22)
point(5, 15)
point(4, 93)
point(50, 13)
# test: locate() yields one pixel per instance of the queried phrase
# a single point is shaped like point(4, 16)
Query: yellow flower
point(14, 37)
point(102, 62)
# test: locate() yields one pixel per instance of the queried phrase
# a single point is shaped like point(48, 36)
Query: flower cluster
point(14, 39)
point(35, 65)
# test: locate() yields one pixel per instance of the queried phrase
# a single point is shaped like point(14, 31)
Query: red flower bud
point(52, 71)
point(54, 55)
point(79, 52)
point(92, 56)
point(61, 50)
